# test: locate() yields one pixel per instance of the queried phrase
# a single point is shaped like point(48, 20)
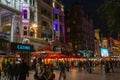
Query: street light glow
point(34, 25)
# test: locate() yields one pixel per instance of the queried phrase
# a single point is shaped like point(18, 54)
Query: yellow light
point(34, 25)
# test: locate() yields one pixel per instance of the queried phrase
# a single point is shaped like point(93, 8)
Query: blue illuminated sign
point(104, 52)
point(23, 47)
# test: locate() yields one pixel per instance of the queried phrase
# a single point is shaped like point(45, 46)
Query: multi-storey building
point(32, 21)
point(79, 29)
point(15, 27)
point(97, 43)
point(50, 23)
point(15, 18)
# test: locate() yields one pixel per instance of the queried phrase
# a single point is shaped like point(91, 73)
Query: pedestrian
point(111, 66)
point(62, 73)
point(23, 70)
point(107, 68)
point(4, 69)
point(9, 70)
point(51, 75)
point(79, 66)
point(15, 70)
point(40, 70)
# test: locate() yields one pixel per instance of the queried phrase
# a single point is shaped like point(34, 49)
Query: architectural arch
point(32, 32)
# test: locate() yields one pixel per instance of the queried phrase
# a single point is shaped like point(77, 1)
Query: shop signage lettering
point(23, 47)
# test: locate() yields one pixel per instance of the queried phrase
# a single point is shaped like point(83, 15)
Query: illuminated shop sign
point(21, 47)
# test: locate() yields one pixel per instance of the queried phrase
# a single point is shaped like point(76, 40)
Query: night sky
point(90, 6)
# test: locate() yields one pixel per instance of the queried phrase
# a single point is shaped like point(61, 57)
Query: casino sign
point(21, 47)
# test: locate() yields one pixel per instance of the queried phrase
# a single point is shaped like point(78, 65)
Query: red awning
point(74, 56)
point(37, 53)
point(57, 55)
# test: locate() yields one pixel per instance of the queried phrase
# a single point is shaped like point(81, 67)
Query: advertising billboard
point(104, 52)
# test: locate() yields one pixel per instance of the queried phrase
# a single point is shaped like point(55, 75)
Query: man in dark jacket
point(23, 70)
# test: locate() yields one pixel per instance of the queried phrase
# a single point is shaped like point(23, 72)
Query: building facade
point(50, 23)
point(97, 43)
point(79, 29)
point(15, 18)
point(32, 21)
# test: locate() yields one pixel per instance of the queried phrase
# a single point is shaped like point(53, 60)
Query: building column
point(12, 29)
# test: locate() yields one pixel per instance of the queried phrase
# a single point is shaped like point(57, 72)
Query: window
point(25, 30)
point(17, 27)
point(25, 1)
point(56, 27)
point(25, 14)
point(56, 16)
point(68, 29)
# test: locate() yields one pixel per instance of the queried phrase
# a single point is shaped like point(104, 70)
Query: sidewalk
point(97, 74)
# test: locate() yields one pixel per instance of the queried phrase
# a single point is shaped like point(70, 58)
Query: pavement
point(97, 74)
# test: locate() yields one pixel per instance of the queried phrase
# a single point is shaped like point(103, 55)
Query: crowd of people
point(43, 71)
point(14, 71)
point(19, 71)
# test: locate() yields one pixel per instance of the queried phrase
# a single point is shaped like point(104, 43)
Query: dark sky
point(91, 7)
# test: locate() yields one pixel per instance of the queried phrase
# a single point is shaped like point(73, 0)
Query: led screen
point(104, 52)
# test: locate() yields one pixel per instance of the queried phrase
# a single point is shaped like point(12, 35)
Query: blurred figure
point(4, 71)
point(40, 70)
point(107, 69)
point(9, 70)
point(62, 73)
point(15, 70)
point(89, 66)
point(67, 65)
point(111, 65)
point(79, 66)
point(23, 70)
point(51, 75)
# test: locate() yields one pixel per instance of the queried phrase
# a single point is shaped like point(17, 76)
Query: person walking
point(40, 70)
point(9, 70)
point(15, 70)
point(111, 66)
point(23, 70)
point(62, 73)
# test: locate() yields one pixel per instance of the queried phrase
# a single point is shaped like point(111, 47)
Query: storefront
point(4, 49)
point(22, 51)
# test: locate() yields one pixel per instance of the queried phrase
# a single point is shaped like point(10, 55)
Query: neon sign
point(23, 47)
